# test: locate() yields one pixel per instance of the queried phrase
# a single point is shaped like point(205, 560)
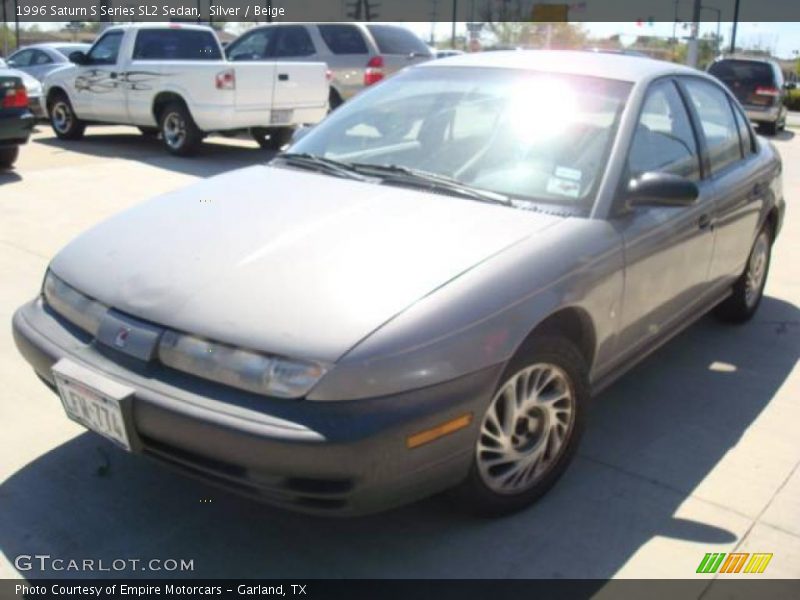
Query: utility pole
point(5, 29)
point(735, 23)
point(453, 33)
point(691, 55)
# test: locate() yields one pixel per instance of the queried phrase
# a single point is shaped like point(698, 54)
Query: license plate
point(279, 117)
point(93, 401)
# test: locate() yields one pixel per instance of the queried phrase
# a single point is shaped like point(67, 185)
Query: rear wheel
point(63, 120)
point(334, 100)
point(8, 156)
point(748, 290)
point(531, 429)
point(769, 128)
point(180, 134)
point(272, 138)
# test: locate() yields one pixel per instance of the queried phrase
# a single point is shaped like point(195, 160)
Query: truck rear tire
point(179, 132)
point(65, 124)
point(8, 156)
point(272, 138)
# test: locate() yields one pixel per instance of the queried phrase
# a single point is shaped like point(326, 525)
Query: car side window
point(252, 46)
point(745, 134)
point(293, 40)
point(22, 58)
point(106, 49)
point(664, 140)
point(343, 39)
point(717, 121)
point(40, 58)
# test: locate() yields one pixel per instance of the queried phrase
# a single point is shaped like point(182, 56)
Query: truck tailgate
point(300, 85)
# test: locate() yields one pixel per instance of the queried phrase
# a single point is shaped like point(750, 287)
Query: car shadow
point(785, 135)
point(653, 437)
point(9, 177)
point(214, 157)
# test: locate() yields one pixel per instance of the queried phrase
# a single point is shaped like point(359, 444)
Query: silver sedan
point(424, 291)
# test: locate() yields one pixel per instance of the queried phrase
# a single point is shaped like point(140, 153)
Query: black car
point(16, 120)
point(758, 84)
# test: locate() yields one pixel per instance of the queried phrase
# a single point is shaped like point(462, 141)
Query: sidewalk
point(793, 119)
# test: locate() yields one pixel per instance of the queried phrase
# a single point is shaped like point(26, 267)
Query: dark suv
point(758, 84)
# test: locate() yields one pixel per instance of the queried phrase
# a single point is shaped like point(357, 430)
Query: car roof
point(609, 66)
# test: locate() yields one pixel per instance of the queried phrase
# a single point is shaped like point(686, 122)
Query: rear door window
point(343, 39)
point(396, 40)
point(293, 40)
point(745, 135)
point(40, 58)
point(175, 44)
point(717, 121)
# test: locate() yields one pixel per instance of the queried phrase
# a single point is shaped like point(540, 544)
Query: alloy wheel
point(526, 428)
point(174, 130)
point(756, 269)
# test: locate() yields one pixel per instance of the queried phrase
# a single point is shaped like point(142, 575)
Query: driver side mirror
point(79, 58)
point(661, 189)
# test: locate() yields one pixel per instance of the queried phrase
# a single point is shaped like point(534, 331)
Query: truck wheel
point(530, 430)
point(179, 132)
point(272, 138)
point(63, 120)
point(8, 156)
point(748, 290)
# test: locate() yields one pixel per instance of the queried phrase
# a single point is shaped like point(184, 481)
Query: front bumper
point(342, 458)
point(16, 127)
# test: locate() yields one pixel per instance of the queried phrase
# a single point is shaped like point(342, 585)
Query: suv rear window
point(396, 40)
point(747, 72)
point(175, 44)
point(343, 39)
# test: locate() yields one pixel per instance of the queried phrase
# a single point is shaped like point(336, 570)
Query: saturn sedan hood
point(284, 261)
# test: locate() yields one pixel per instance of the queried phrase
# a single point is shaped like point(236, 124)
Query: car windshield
point(527, 135)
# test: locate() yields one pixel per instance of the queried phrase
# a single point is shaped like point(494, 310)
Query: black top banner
point(397, 10)
point(408, 589)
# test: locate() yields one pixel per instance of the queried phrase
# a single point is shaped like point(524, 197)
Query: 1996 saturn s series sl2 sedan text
point(424, 291)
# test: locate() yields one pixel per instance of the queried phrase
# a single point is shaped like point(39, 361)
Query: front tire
point(65, 124)
point(8, 156)
point(272, 138)
point(748, 290)
point(531, 429)
point(179, 132)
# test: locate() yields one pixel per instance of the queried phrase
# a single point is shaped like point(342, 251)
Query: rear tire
point(65, 124)
point(748, 290)
point(334, 100)
point(179, 132)
point(769, 128)
point(272, 138)
point(8, 156)
point(531, 429)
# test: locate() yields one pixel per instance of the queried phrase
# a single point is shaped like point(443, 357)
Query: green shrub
point(793, 99)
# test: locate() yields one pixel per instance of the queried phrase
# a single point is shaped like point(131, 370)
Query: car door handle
point(283, 77)
point(704, 222)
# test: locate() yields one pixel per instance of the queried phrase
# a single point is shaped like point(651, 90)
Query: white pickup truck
point(174, 80)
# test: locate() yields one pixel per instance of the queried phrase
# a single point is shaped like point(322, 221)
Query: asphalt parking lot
point(694, 451)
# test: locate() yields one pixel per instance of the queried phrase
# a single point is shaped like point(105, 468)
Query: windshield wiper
point(320, 163)
point(430, 181)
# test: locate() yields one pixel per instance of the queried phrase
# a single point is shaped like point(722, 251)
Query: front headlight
point(68, 302)
point(243, 369)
